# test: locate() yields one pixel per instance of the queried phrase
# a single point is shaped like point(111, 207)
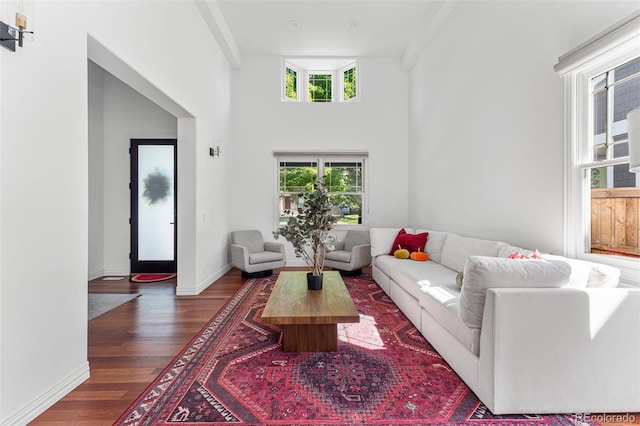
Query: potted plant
point(309, 232)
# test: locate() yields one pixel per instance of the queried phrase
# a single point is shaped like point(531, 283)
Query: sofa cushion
point(382, 239)
point(443, 303)
point(456, 250)
point(507, 250)
point(482, 272)
point(435, 243)
point(412, 275)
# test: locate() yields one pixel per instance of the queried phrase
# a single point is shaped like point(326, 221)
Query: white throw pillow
point(482, 272)
point(589, 274)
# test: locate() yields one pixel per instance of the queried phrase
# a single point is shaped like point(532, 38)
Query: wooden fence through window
point(615, 221)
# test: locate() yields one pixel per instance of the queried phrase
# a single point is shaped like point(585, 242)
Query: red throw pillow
point(394, 246)
point(411, 242)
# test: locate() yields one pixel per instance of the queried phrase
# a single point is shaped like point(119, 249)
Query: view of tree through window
point(320, 87)
point(349, 82)
point(291, 84)
point(614, 190)
point(344, 181)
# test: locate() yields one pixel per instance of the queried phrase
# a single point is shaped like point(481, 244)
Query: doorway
point(153, 205)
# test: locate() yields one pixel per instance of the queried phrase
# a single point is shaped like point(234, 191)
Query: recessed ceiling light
point(354, 25)
point(293, 24)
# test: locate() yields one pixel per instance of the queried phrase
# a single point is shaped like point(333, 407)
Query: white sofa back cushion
point(382, 239)
point(456, 250)
point(435, 243)
point(596, 275)
point(481, 273)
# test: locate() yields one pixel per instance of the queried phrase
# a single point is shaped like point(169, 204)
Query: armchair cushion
point(252, 240)
point(339, 256)
point(264, 256)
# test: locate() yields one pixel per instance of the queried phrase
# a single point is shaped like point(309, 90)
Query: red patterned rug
point(150, 278)
point(384, 372)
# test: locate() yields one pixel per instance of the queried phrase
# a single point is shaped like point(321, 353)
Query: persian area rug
point(151, 278)
point(384, 372)
point(102, 303)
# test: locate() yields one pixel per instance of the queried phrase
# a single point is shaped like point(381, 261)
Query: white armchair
point(253, 256)
point(351, 254)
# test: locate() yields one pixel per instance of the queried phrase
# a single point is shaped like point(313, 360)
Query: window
point(320, 87)
point(291, 84)
point(602, 84)
point(614, 190)
point(322, 80)
point(349, 86)
point(343, 178)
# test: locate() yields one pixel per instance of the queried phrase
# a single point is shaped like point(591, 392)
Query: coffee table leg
point(310, 338)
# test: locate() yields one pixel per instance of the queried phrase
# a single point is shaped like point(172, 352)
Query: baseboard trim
point(43, 402)
point(96, 275)
point(204, 284)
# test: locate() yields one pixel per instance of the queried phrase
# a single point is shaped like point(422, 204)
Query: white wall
point(263, 123)
point(125, 114)
point(44, 181)
point(486, 119)
point(95, 141)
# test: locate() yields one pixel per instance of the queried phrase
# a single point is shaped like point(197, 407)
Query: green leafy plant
point(309, 231)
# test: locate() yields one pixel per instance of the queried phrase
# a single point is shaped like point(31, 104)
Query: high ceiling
point(327, 27)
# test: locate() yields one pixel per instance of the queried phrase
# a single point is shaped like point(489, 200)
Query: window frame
point(283, 91)
point(342, 71)
point(321, 159)
point(578, 67)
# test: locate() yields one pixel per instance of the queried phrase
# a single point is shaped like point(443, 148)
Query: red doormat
point(150, 278)
point(234, 372)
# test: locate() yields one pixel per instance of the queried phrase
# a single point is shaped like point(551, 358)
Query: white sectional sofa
point(555, 335)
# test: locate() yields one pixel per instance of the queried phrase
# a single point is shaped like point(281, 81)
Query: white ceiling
point(327, 27)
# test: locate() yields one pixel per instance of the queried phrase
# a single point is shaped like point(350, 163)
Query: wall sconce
point(633, 130)
point(21, 13)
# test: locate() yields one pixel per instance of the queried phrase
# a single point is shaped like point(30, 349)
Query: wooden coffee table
point(309, 318)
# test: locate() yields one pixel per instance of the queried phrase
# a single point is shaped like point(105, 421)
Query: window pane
point(319, 87)
point(291, 79)
point(615, 196)
point(343, 177)
point(295, 178)
point(348, 208)
point(625, 70)
point(349, 79)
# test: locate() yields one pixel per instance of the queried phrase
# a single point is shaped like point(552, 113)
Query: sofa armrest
point(569, 350)
point(361, 255)
point(239, 256)
point(276, 247)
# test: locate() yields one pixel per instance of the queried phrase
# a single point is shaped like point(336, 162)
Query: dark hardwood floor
point(130, 345)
